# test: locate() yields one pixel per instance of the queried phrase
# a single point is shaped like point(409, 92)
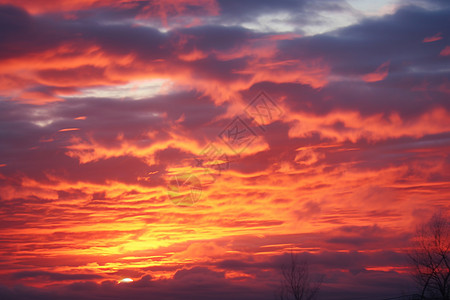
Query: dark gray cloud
point(360, 48)
point(55, 276)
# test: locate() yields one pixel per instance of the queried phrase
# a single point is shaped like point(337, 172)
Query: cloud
point(357, 157)
point(445, 51)
point(434, 38)
point(55, 276)
point(379, 74)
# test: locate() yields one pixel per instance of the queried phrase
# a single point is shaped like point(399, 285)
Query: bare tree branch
point(296, 283)
point(430, 258)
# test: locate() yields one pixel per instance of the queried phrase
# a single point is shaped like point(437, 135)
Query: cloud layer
point(334, 145)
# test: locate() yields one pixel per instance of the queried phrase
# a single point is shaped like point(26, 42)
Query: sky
point(192, 145)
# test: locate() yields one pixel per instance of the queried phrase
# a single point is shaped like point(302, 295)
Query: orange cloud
point(68, 129)
point(380, 73)
point(374, 128)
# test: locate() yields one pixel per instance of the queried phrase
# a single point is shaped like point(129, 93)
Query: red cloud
point(434, 38)
point(445, 51)
point(45, 6)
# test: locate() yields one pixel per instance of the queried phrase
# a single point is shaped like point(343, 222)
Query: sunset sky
point(191, 145)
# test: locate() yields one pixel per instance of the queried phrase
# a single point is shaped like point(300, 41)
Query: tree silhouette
point(430, 258)
point(296, 282)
